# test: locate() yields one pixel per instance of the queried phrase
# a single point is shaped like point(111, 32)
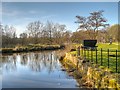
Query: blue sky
point(19, 14)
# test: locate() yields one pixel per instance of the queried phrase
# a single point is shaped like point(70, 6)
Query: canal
point(35, 70)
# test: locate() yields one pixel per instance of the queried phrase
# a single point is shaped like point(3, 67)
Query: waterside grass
point(91, 56)
point(32, 47)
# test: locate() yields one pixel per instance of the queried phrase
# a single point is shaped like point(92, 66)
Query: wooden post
point(91, 55)
point(116, 61)
point(96, 56)
point(108, 58)
point(78, 49)
point(88, 54)
point(85, 53)
point(101, 56)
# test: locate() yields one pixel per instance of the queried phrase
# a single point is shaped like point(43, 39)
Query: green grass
point(106, 46)
point(112, 51)
point(112, 60)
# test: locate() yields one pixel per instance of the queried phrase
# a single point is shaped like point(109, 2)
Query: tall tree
point(58, 33)
point(1, 32)
point(113, 32)
point(23, 37)
point(34, 29)
point(49, 28)
point(92, 23)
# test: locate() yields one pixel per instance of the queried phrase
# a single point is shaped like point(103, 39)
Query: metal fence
point(108, 58)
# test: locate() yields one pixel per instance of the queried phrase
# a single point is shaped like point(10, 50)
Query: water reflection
point(0, 72)
point(35, 61)
point(9, 63)
point(34, 69)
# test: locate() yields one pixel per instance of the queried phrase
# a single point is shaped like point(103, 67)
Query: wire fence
point(108, 58)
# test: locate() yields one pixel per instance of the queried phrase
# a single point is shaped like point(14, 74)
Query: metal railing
point(108, 58)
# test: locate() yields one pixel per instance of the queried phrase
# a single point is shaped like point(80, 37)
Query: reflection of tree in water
point(35, 61)
point(23, 59)
point(52, 63)
point(9, 63)
point(43, 61)
point(0, 64)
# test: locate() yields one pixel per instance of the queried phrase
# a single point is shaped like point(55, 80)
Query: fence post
point(108, 58)
point(116, 61)
point(82, 51)
point(101, 56)
point(91, 55)
point(96, 56)
point(88, 54)
point(85, 53)
point(78, 49)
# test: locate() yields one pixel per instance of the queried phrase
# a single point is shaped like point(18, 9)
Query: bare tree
point(58, 33)
point(1, 32)
point(94, 22)
point(67, 36)
point(49, 29)
point(34, 30)
point(23, 38)
point(9, 37)
point(113, 32)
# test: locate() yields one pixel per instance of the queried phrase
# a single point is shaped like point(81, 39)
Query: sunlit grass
point(106, 46)
point(31, 47)
point(104, 61)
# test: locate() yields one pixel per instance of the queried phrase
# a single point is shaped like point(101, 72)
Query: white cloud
point(8, 12)
point(70, 26)
point(13, 13)
point(20, 29)
point(48, 17)
point(27, 18)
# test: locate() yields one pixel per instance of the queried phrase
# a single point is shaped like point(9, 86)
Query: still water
point(34, 70)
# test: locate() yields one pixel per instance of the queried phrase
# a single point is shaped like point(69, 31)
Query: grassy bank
point(91, 56)
point(89, 75)
point(32, 47)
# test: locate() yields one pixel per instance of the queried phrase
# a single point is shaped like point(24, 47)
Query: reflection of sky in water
point(0, 72)
point(0, 81)
point(41, 69)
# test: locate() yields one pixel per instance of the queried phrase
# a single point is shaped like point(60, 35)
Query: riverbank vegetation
point(32, 47)
point(90, 75)
point(104, 46)
point(58, 36)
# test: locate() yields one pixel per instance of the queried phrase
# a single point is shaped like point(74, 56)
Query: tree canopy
point(94, 22)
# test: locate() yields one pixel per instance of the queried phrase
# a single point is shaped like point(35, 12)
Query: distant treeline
point(50, 33)
point(103, 36)
point(94, 26)
point(36, 33)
